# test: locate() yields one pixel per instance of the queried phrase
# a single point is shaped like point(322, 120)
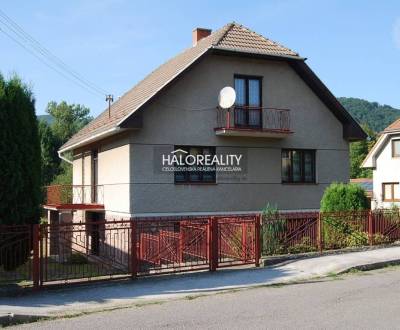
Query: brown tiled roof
point(241, 39)
point(231, 37)
point(395, 126)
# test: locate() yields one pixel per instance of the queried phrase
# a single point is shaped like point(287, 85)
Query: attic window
point(396, 148)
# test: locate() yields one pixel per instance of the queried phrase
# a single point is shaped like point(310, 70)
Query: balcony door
point(248, 102)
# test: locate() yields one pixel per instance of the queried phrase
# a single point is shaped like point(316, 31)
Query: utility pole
point(109, 99)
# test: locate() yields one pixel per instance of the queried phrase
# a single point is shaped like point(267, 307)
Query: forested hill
point(375, 115)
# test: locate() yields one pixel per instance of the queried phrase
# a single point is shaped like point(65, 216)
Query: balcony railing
point(253, 119)
point(57, 195)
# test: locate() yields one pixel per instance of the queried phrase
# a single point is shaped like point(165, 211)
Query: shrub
point(344, 197)
point(381, 239)
point(357, 238)
point(303, 247)
point(272, 228)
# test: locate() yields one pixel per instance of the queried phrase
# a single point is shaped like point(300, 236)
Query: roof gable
point(232, 38)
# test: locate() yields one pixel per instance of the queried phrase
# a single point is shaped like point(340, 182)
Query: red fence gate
point(174, 245)
point(59, 253)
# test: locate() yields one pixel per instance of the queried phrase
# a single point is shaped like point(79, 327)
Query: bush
point(304, 246)
point(344, 197)
point(272, 228)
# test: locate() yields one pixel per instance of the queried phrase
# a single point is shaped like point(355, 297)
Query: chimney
point(199, 33)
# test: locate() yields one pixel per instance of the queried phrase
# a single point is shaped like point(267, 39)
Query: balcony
point(253, 122)
point(74, 197)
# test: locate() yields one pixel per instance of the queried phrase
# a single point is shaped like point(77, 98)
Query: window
point(396, 148)
point(248, 101)
point(298, 166)
point(391, 192)
point(188, 173)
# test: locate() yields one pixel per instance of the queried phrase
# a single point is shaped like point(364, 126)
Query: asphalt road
point(359, 301)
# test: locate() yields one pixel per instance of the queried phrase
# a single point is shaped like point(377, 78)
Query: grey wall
point(185, 115)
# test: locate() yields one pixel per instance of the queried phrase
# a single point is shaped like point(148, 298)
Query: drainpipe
point(63, 158)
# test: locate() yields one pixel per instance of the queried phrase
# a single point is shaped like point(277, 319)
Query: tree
point(65, 174)
point(20, 170)
point(344, 197)
point(358, 151)
point(50, 160)
point(68, 119)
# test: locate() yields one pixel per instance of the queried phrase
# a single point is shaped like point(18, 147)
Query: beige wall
point(185, 114)
point(387, 170)
point(176, 119)
point(113, 176)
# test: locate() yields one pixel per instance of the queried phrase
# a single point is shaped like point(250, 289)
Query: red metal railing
point(64, 252)
point(290, 233)
point(256, 118)
point(311, 231)
point(50, 253)
point(74, 194)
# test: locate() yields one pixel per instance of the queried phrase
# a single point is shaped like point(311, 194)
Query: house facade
point(290, 132)
point(384, 160)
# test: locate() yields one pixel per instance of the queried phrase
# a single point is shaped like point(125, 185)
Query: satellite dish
point(226, 97)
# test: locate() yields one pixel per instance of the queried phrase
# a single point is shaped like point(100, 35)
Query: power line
point(36, 46)
point(41, 60)
point(46, 52)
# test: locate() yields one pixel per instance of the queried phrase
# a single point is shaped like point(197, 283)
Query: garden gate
point(97, 250)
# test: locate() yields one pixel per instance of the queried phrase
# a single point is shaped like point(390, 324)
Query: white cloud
point(396, 33)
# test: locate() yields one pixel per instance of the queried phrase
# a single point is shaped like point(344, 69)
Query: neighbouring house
point(384, 159)
point(291, 133)
point(367, 185)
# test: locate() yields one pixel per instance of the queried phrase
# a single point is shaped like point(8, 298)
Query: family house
point(384, 159)
point(290, 132)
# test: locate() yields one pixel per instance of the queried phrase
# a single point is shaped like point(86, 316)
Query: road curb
point(13, 319)
point(278, 260)
point(373, 266)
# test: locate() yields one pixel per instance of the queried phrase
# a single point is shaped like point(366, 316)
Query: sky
point(353, 46)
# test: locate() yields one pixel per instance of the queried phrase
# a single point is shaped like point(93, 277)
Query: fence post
point(36, 260)
point(213, 243)
point(320, 234)
point(370, 228)
point(244, 241)
point(257, 231)
point(134, 260)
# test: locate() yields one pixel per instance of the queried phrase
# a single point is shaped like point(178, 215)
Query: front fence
point(17, 253)
point(68, 252)
point(84, 250)
point(302, 232)
point(41, 254)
